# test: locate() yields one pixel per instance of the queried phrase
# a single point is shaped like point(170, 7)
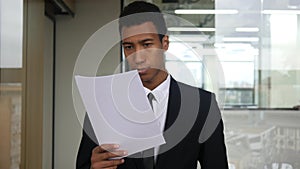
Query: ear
point(165, 42)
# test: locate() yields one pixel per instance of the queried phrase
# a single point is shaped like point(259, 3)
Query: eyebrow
point(141, 41)
point(145, 40)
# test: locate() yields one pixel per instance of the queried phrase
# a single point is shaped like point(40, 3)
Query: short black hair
point(148, 12)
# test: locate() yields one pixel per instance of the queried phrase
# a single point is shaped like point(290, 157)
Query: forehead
point(144, 29)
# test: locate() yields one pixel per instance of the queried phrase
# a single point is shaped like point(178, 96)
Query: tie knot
point(150, 97)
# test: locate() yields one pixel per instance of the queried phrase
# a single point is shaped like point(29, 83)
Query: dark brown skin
point(101, 156)
point(145, 53)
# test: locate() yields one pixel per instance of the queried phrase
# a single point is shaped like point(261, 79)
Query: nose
point(139, 56)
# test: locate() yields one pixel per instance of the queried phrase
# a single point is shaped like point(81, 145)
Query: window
point(184, 63)
point(246, 52)
point(254, 42)
point(11, 30)
point(11, 33)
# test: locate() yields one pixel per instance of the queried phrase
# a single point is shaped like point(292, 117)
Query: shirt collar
point(161, 91)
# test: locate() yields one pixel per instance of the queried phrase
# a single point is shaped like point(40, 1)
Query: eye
point(147, 45)
point(127, 47)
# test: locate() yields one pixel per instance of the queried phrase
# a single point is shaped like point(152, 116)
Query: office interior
point(245, 51)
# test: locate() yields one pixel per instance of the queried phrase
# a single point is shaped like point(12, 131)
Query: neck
point(160, 77)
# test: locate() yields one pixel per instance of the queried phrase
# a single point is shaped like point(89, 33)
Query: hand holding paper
point(119, 111)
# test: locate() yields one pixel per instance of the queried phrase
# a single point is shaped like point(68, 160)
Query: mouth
point(142, 71)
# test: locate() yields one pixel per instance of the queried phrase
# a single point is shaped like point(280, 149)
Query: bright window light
point(240, 39)
point(281, 12)
point(11, 33)
point(254, 29)
point(189, 38)
point(283, 29)
point(191, 29)
point(205, 11)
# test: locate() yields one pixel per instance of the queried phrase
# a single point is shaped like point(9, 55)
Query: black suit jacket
point(193, 132)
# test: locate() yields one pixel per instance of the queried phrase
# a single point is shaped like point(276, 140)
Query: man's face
point(144, 51)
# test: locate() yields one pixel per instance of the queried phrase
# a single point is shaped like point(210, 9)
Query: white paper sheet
point(119, 111)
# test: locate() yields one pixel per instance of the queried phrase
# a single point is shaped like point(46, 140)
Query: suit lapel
point(172, 113)
point(173, 104)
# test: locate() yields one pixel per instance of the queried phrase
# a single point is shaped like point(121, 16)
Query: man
point(189, 117)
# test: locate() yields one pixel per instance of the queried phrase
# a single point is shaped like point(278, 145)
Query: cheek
point(157, 61)
point(129, 59)
point(127, 54)
point(130, 62)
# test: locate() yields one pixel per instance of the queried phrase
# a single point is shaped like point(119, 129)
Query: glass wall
point(11, 26)
point(245, 51)
point(254, 42)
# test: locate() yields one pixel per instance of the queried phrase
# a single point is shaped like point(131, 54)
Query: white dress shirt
point(160, 104)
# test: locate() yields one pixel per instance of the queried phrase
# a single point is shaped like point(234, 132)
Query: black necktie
point(150, 98)
point(148, 155)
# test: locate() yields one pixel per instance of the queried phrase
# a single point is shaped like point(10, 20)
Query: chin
point(144, 78)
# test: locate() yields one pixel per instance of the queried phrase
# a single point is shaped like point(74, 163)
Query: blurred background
point(245, 51)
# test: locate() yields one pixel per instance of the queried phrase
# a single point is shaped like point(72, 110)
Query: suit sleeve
point(87, 144)
point(212, 144)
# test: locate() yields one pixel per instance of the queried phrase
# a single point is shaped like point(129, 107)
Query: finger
point(111, 167)
point(110, 155)
point(112, 163)
point(105, 147)
point(107, 155)
point(118, 153)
